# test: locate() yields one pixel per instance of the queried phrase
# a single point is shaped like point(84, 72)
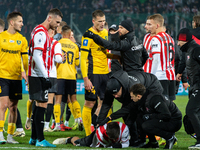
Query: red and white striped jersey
point(102, 139)
point(55, 50)
point(163, 44)
point(40, 40)
point(146, 42)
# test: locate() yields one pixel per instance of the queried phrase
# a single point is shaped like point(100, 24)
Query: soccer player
point(39, 65)
point(94, 69)
point(58, 34)
point(163, 56)
point(14, 49)
point(56, 56)
point(66, 75)
point(111, 135)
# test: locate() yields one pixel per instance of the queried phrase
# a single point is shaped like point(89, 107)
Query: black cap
point(127, 24)
point(184, 35)
point(113, 86)
point(113, 27)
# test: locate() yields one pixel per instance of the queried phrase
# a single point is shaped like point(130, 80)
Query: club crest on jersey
point(11, 41)
point(85, 42)
point(19, 42)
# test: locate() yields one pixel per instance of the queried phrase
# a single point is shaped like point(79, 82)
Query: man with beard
point(39, 65)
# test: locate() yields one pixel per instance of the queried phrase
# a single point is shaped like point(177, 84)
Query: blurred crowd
point(34, 11)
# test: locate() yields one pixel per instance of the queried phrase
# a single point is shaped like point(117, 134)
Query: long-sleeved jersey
point(101, 139)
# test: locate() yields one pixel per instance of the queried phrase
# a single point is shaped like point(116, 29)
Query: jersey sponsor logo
point(68, 46)
point(10, 51)
point(138, 47)
point(85, 42)
point(154, 45)
point(4, 40)
point(19, 42)
point(11, 41)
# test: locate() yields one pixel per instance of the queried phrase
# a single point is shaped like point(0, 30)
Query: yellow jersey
point(12, 46)
point(93, 56)
point(67, 70)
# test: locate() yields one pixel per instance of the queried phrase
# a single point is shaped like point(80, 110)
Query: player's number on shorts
point(46, 94)
point(170, 48)
point(70, 56)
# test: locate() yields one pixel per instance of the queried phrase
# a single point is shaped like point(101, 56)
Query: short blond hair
point(158, 18)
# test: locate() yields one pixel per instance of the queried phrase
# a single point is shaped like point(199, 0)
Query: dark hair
point(13, 15)
point(138, 89)
point(65, 28)
point(113, 130)
point(55, 11)
point(196, 19)
point(96, 13)
point(2, 23)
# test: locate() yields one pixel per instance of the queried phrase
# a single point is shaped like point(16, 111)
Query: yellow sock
point(57, 113)
point(29, 108)
point(6, 113)
point(86, 116)
point(77, 109)
point(1, 125)
point(11, 128)
point(72, 110)
point(109, 113)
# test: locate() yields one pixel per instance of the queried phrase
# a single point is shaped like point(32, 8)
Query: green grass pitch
point(184, 140)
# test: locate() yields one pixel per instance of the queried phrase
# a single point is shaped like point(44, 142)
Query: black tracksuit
point(133, 54)
point(164, 116)
point(192, 64)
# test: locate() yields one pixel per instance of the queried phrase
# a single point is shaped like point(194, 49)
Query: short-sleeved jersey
point(102, 139)
point(40, 40)
point(163, 44)
point(94, 55)
point(67, 70)
point(146, 42)
point(11, 48)
point(55, 50)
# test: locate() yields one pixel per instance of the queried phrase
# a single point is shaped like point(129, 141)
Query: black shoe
point(151, 145)
point(170, 142)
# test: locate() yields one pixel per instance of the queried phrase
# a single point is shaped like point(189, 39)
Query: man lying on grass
point(111, 135)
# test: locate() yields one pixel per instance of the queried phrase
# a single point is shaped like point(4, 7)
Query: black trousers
point(160, 128)
point(193, 112)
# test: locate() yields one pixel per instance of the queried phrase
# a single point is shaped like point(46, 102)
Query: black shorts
point(37, 90)
point(11, 88)
point(66, 87)
point(169, 88)
point(99, 82)
point(53, 88)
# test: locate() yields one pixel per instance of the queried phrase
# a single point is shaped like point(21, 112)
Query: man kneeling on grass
point(111, 135)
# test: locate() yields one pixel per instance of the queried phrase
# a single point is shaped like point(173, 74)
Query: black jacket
point(192, 64)
point(196, 32)
point(150, 81)
point(156, 105)
point(133, 54)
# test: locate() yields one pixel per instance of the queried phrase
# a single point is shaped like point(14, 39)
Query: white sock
point(19, 129)
point(1, 135)
point(46, 124)
point(76, 120)
point(57, 124)
point(9, 136)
